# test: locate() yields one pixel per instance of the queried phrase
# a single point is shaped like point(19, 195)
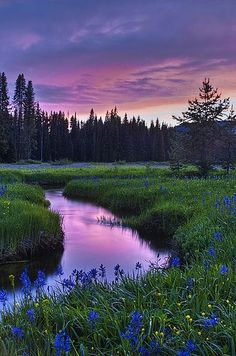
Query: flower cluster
point(133, 330)
point(62, 343)
point(212, 321)
point(92, 318)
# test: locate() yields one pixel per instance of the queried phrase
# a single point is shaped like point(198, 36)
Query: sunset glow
point(147, 58)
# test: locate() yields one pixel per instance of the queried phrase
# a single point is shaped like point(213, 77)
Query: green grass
point(26, 225)
point(175, 304)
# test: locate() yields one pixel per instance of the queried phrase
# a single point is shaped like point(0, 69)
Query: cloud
point(105, 52)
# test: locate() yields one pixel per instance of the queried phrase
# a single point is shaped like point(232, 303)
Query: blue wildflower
point(3, 189)
point(212, 252)
point(93, 273)
point(218, 236)
point(85, 279)
point(206, 264)
point(175, 262)
point(17, 332)
point(190, 346)
point(190, 283)
point(62, 343)
point(143, 351)
point(133, 330)
point(92, 318)
point(59, 270)
point(25, 280)
point(118, 272)
point(3, 296)
point(212, 321)
point(40, 280)
point(183, 353)
point(224, 269)
point(216, 204)
point(102, 271)
point(31, 315)
point(68, 283)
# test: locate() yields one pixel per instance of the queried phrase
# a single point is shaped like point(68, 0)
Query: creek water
point(88, 244)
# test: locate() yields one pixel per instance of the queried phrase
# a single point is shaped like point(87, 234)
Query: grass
point(26, 225)
point(186, 309)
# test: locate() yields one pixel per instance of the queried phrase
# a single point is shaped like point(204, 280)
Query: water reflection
point(88, 244)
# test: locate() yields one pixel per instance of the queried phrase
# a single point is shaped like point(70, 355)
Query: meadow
point(27, 226)
point(186, 309)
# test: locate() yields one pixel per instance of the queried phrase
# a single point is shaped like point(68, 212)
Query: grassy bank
point(27, 227)
point(188, 309)
point(187, 211)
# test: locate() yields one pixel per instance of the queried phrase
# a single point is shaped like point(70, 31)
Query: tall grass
point(188, 309)
point(26, 225)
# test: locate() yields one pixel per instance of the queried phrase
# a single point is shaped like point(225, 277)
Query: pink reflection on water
point(89, 244)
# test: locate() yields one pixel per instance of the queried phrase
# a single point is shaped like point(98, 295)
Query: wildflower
point(190, 346)
point(224, 269)
point(138, 265)
point(17, 332)
point(102, 270)
point(212, 321)
point(68, 283)
point(3, 189)
point(59, 270)
point(31, 314)
point(40, 280)
point(206, 265)
point(118, 272)
point(152, 349)
point(25, 280)
point(175, 262)
point(62, 343)
point(218, 236)
point(183, 353)
point(3, 296)
point(92, 318)
point(190, 283)
point(217, 204)
point(85, 279)
point(212, 252)
point(93, 273)
point(133, 330)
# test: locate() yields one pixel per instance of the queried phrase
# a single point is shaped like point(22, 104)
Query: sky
point(146, 57)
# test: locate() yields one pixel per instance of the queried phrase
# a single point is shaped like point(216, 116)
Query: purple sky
point(146, 57)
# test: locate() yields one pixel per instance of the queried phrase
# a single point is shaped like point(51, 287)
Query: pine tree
point(201, 118)
point(19, 98)
point(29, 129)
point(4, 118)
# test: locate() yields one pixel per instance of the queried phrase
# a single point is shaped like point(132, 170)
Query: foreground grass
point(26, 225)
point(187, 309)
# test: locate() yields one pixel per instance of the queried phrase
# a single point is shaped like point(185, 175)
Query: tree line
point(204, 135)
point(29, 133)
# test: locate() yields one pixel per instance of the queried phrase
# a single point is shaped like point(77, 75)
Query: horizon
point(99, 56)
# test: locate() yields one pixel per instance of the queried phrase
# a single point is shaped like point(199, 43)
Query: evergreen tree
point(4, 119)
point(19, 98)
point(29, 129)
point(201, 117)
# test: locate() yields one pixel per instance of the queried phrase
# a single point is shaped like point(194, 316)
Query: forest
point(29, 133)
